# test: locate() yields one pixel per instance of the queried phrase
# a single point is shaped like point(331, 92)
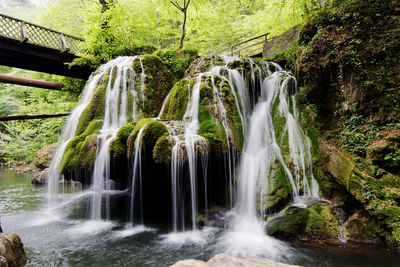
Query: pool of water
point(59, 237)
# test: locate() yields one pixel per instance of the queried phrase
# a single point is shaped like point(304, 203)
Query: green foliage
point(357, 134)
point(20, 140)
point(178, 61)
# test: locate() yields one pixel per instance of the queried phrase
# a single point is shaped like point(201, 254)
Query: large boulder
point(45, 155)
point(224, 260)
point(11, 251)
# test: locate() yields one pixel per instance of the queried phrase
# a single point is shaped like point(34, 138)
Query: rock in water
point(45, 155)
point(3, 262)
point(40, 178)
point(12, 252)
point(224, 260)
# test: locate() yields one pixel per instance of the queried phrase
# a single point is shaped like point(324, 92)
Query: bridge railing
point(247, 48)
point(26, 32)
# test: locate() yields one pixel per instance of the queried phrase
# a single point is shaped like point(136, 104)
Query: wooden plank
point(254, 50)
point(30, 82)
point(32, 117)
point(247, 46)
point(232, 46)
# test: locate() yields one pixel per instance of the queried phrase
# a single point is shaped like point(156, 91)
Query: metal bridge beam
point(30, 82)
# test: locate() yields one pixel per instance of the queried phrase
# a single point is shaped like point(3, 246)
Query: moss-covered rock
point(376, 191)
point(177, 99)
point(158, 83)
point(155, 138)
point(162, 149)
point(45, 155)
point(81, 150)
point(384, 151)
point(316, 222)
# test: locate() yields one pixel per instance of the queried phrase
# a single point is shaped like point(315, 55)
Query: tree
point(182, 8)
point(104, 5)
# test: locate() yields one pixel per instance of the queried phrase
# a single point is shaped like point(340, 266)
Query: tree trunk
point(183, 30)
point(31, 117)
point(104, 5)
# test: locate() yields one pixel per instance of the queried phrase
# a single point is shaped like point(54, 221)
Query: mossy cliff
point(81, 150)
point(348, 68)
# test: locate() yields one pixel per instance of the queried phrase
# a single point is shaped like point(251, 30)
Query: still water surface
point(60, 238)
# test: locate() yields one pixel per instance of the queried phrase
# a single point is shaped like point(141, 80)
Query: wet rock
point(299, 222)
point(3, 262)
point(45, 155)
point(224, 260)
point(40, 178)
point(375, 192)
point(12, 250)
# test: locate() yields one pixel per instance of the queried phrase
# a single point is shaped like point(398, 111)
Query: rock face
point(45, 155)
point(349, 93)
point(12, 252)
point(224, 260)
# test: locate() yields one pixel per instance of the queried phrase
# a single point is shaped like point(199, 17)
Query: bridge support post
point(24, 35)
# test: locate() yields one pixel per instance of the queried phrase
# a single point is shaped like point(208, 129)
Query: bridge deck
point(30, 46)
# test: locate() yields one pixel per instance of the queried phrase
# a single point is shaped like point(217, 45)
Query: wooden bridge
point(253, 47)
point(33, 47)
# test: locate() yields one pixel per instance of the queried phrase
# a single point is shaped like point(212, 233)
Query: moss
point(316, 222)
point(154, 131)
point(158, 83)
point(132, 137)
point(81, 150)
point(321, 223)
point(118, 145)
point(289, 225)
point(80, 153)
point(95, 109)
point(281, 190)
point(211, 129)
point(233, 117)
point(379, 197)
point(176, 102)
point(178, 60)
point(162, 149)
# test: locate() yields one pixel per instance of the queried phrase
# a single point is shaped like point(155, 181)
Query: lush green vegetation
point(127, 27)
point(20, 140)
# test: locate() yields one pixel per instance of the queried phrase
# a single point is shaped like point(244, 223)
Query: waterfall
point(71, 126)
point(120, 89)
point(262, 98)
point(261, 154)
point(137, 175)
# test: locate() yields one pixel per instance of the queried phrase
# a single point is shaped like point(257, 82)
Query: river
point(62, 238)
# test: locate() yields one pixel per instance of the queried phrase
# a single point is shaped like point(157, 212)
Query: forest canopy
point(211, 24)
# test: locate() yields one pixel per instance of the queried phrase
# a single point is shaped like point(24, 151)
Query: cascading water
point(261, 95)
point(119, 91)
point(137, 175)
point(72, 125)
point(261, 155)
point(115, 116)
